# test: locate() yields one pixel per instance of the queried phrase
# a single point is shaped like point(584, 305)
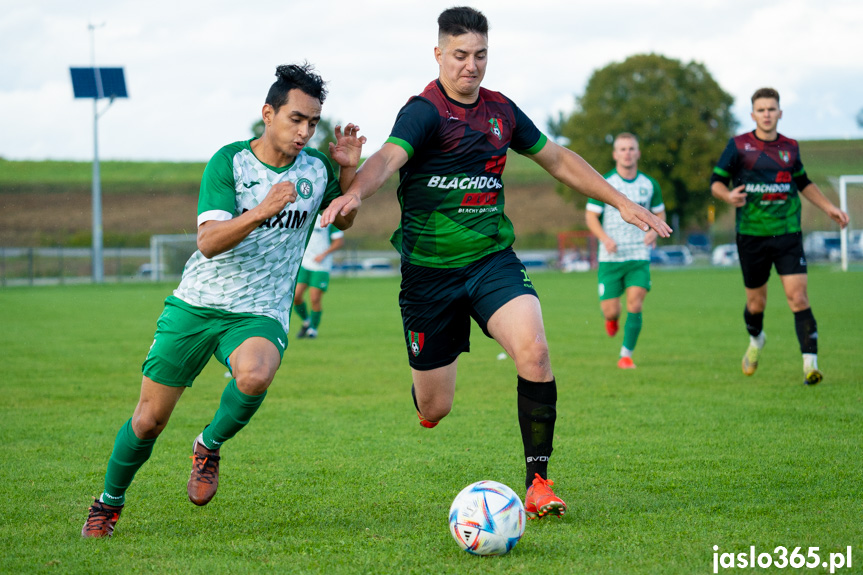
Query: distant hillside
point(49, 203)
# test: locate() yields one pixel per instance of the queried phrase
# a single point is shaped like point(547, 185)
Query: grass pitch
point(334, 475)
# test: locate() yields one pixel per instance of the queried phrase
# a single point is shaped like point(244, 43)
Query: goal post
point(169, 253)
point(843, 205)
point(576, 251)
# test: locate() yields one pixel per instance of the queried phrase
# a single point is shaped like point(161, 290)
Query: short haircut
point(625, 136)
point(293, 76)
point(461, 20)
point(765, 93)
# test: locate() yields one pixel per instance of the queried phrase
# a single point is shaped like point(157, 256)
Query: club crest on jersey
point(417, 340)
point(304, 188)
point(495, 128)
point(784, 156)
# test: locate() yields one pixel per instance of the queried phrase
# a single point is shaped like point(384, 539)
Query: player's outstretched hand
point(342, 205)
point(348, 147)
point(644, 219)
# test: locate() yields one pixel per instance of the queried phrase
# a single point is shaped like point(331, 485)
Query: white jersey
point(642, 190)
point(258, 275)
point(319, 242)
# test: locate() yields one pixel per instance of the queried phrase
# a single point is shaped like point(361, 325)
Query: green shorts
point(320, 280)
point(186, 337)
point(615, 277)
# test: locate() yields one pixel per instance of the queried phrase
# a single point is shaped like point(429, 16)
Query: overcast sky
point(197, 72)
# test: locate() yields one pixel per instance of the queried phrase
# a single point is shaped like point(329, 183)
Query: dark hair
point(293, 76)
point(765, 93)
point(462, 20)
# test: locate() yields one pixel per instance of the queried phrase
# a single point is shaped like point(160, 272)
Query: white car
point(725, 255)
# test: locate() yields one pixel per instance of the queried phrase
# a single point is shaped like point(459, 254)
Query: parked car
point(725, 255)
point(822, 245)
point(675, 255)
point(698, 242)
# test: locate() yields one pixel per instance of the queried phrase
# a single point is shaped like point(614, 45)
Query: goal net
point(851, 245)
point(576, 251)
point(168, 255)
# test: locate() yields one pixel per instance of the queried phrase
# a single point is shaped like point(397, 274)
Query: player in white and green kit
point(256, 208)
point(624, 250)
point(315, 276)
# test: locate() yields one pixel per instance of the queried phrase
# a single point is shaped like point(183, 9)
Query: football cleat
point(204, 480)
point(541, 500)
point(750, 359)
point(101, 520)
point(625, 363)
point(611, 327)
point(425, 422)
point(311, 333)
point(813, 377)
point(303, 330)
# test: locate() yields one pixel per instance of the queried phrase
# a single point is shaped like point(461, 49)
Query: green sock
point(302, 311)
point(631, 330)
point(129, 454)
point(316, 319)
point(235, 411)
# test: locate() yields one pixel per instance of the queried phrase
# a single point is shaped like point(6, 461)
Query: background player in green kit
point(256, 208)
point(450, 145)
point(314, 276)
point(768, 178)
point(624, 250)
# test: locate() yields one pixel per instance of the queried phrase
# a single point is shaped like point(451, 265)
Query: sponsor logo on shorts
point(527, 282)
point(281, 343)
point(417, 341)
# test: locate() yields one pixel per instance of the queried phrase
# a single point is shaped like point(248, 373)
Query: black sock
point(807, 330)
point(537, 412)
point(754, 322)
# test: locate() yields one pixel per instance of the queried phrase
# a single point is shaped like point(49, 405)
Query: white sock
point(625, 352)
point(758, 341)
point(810, 361)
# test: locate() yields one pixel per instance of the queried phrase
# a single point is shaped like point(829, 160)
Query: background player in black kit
point(769, 178)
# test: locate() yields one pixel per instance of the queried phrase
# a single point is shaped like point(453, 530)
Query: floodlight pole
point(98, 260)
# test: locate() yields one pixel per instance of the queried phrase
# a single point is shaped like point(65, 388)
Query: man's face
point(462, 60)
point(291, 128)
point(626, 153)
point(766, 114)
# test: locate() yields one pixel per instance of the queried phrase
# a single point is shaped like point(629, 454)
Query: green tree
point(680, 115)
point(320, 141)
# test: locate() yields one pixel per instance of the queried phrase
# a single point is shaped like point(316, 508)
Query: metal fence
point(61, 265)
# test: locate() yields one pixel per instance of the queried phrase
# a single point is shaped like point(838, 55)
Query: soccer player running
point(768, 178)
point(624, 250)
point(314, 275)
point(256, 207)
point(450, 143)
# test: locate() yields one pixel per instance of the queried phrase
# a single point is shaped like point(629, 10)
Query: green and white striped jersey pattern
point(642, 190)
point(258, 275)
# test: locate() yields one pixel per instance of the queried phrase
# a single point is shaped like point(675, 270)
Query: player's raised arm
point(369, 178)
point(571, 169)
point(346, 152)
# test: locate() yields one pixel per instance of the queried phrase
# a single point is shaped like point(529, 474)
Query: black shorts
point(759, 253)
point(437, 304)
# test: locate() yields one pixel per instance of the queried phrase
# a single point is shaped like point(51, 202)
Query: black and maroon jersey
point(773, 175)
point(450, 190)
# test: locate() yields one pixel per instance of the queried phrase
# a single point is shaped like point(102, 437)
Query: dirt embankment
point(56, 218)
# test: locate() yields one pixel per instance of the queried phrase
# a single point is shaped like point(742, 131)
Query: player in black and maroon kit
point(450, 144)
point(769, 178)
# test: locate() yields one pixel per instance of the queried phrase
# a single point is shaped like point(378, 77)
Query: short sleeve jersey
point(644, 191)
point(451, 189)
point(258, 275)
point(319, 242)
point(772, 173)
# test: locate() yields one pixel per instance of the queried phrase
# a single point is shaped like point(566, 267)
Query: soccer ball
point(486, 518)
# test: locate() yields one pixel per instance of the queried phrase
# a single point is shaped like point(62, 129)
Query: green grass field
point(334, 475)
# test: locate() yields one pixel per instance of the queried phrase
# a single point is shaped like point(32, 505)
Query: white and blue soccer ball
point(487, 518)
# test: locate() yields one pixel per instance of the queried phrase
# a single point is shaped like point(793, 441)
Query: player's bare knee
point(255, 380)
point(533, 360)
point(147, 425)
